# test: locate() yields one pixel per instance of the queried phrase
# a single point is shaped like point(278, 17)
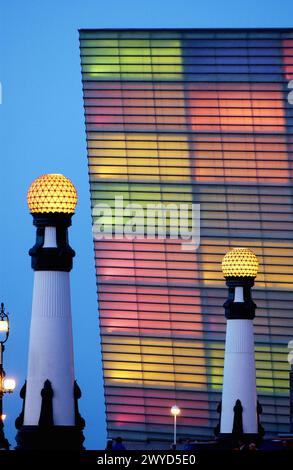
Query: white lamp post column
point(239, 407)
point(50, 418)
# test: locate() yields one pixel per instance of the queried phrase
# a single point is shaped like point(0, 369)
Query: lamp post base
point(46, 435)
point(50, 438)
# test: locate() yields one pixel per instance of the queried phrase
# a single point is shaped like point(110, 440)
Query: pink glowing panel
point(150, 108)
point(156, 308)
point(136, 268)
point(141, 418)
point(153, 406)
point(288, 58)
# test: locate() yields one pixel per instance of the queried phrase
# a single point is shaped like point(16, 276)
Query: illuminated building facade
point(191, 116)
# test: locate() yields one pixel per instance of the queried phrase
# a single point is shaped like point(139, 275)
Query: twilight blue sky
point(42, 131)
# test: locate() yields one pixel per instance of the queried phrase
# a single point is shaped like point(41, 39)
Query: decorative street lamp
point(239, 408)
point(175, 411)
point(6, 385)
point(50, 419)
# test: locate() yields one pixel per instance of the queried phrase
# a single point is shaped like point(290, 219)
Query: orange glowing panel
point(236, 110)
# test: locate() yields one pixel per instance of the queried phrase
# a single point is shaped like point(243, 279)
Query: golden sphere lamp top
point(52, 193)
point(240, 262)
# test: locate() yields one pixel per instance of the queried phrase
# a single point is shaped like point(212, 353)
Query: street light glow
point(9, 385)
point(175, 410)
point(240, 262)
point(4, 326)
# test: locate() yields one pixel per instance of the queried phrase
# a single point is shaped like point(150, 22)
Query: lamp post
point(6, 385)
point(291, 396)
point(175, 411)
point(240, 409)
point(50, 419)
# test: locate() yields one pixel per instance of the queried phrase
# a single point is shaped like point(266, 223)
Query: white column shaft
point(239, 376)
point(51, 348)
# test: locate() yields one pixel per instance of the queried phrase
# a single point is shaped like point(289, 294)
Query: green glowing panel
point(113, 59)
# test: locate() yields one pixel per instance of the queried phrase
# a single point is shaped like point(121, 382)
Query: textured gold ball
point(52, 193)
point(240, 262)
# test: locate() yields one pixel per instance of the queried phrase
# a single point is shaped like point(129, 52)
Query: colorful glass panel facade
point(191, 116)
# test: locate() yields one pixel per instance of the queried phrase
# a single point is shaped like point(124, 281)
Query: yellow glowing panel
point(99, 51)
point(99, 43)
point(133, 355)
point(155, 362)
point(137, 140)
point(52, 193)
point(159, 367)
point(156, 380)
point(104, 59)
point(160, 162)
